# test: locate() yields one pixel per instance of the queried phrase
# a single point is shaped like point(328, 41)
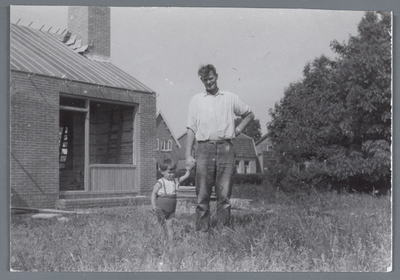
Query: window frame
point(166, 145)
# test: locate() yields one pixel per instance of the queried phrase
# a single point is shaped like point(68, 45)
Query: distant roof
point(262, 138)
point(244, 146)
point(161, 115)
point(44, 53)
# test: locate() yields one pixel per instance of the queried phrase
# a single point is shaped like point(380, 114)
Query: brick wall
point(164, 134)
point(35, 135)
point(34, 141)
point(146, 137)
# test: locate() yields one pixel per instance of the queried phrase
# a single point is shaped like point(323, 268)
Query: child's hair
point(167, 165)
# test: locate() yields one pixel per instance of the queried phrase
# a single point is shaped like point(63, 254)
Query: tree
point(253, 130)
point(339, 115)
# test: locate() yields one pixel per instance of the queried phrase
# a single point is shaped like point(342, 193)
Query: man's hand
point(237, 131)
point(190, 162)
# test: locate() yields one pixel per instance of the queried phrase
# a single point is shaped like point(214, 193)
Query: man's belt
point(221, 141)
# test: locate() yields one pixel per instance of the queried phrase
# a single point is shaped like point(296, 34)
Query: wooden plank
point(76, 109)
point(113, 177)
point(119, 136)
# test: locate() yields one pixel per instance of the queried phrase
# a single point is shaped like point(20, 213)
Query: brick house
point(246, 154)
point(266, 154)
point(82, 130)
point(167, 145)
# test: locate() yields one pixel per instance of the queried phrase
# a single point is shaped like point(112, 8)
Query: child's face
point(168, 174)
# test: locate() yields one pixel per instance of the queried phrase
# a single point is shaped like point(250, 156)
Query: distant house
point(82, 130)
point(167, 145)
point(266, 154)
point(182, 151)
point(246, 154)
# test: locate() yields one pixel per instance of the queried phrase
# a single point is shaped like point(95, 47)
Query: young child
point(163, 197)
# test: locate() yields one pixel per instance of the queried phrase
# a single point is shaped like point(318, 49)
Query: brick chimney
point(91, 25)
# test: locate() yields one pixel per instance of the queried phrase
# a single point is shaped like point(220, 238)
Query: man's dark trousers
point(215, 165)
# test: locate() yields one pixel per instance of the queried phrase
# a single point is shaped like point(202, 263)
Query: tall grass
point(317, 232)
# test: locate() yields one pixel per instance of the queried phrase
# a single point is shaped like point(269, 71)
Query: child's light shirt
point(167, 186)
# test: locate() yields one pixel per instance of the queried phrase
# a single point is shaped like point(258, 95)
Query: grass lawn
point(277, 232)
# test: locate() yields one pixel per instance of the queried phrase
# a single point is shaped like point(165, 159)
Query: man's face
point(210, 82)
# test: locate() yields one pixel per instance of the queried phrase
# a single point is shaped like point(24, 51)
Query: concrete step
point(81, 203)
point(95, 194)
point(190, 192)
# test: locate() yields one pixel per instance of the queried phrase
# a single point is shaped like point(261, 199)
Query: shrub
point(252, 178)
point(261, 192)
point(239, 179)
point(290, 179)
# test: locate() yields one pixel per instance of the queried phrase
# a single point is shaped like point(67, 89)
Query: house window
point(246, 166)
point(269, 148)
point(158, 145)
point(91, 133)
point(237, 166)
point(111, 133)
point(166, 145)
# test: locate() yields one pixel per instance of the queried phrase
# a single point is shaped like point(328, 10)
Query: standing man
point(211, 123)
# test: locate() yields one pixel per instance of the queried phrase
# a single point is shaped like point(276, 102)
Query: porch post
point(87, 135)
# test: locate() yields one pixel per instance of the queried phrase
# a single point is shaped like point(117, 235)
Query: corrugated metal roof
point(44, 53)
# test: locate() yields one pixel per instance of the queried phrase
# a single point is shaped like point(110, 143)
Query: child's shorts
point(167, 203)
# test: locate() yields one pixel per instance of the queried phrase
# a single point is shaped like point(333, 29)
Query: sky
point(257, 52)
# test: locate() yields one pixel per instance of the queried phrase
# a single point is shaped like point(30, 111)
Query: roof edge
point(81, 82)
point(262, 138)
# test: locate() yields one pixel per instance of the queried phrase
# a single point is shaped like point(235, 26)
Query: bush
point(252, 179)
point(239, 179)
point(358, 184)
point(290, 179)
point(261, 192)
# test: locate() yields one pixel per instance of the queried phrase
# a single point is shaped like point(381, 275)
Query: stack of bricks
point(91, 24)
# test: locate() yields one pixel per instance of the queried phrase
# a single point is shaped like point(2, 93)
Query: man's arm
point(247, 118)
point(190, 161)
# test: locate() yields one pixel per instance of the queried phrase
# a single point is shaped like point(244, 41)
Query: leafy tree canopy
point(339, 115)
point(253, 130)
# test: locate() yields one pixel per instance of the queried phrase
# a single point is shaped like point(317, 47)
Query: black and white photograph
point(200, 139)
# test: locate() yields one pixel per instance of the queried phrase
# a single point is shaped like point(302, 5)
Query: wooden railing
point(113, 177)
